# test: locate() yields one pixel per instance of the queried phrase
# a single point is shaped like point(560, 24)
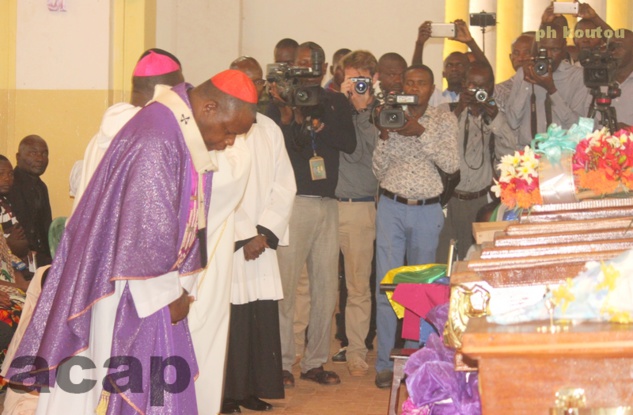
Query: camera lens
point(481, 95)
point(302, 96)
point(361, 87)
point(541, 68)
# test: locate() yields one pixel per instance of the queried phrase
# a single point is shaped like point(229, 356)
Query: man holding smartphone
point(455, 65)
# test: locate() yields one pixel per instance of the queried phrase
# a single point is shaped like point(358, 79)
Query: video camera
point(392, 114)
point(599, 67)
point(599, 72)
point(287, 78)
point(542, 63)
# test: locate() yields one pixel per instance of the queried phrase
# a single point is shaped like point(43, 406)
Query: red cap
point(154, 64)
point(236, 84)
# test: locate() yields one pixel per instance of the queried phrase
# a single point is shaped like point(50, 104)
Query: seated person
point(12, 295)
point(29, 195)
point(13, 232)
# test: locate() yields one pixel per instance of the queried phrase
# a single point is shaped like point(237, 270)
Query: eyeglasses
point(259, 82)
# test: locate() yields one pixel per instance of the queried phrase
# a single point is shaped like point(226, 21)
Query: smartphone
point(563, 7)
point(442, 29)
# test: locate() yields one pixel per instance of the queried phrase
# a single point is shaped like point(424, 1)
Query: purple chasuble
point(129, 224)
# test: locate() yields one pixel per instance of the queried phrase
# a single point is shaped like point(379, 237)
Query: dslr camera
point(599, 68)
point(392, 114)
point(481, 95)
point(542, 62)
point(362, 84)
point(287, 78)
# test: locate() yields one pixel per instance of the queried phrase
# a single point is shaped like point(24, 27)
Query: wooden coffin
point(521, 368)
point(547, 246)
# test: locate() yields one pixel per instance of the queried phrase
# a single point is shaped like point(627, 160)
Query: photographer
point(356, 193)
point(455, 65)
point(409, 216)
point(552, 84)
point(391, 66)
point(484, 137)
point(314, 135)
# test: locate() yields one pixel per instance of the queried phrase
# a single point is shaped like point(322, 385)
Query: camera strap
point(548, 109)
point(533, 112)
point(466, 136)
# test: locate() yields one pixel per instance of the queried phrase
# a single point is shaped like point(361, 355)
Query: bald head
point(252, 69)
point(32, 155)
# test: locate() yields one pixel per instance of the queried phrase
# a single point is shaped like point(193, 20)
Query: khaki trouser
point(313, 242)
point(357, 232)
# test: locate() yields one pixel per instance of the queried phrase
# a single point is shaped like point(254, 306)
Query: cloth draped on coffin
point(419, 289)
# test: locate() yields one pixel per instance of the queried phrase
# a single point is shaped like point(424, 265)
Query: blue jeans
point(401, 230)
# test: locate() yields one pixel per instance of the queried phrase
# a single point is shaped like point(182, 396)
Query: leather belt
point(410, 202)
point(471, 195)
point(357, 199)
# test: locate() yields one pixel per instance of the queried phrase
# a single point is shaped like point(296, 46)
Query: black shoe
point(384, 379)
point(340, 357)
point(255, 404)
point(230, 406)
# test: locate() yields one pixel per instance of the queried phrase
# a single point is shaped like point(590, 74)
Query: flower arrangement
point(603, 163)
point(518, 184)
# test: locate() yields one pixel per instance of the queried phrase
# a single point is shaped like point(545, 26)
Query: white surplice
point(268, 202)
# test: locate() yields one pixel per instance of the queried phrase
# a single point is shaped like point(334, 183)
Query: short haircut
point(558, 29)
point(392, 57)
point(339, 54)
point(245, 61)
point(360, 59)
point(29, 139)
point(421, 67)
point(3, 158)
point(313, 48)
point(480, 66)
point(286, 43)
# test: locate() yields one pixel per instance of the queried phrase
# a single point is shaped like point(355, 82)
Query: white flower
point(496, 188)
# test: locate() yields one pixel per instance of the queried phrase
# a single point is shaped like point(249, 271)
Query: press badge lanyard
point(317, 164)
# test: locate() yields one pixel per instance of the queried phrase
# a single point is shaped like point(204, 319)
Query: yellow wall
point(66, 119)
point(7, 70)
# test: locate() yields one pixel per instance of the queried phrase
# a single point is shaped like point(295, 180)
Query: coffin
point(523, 366)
